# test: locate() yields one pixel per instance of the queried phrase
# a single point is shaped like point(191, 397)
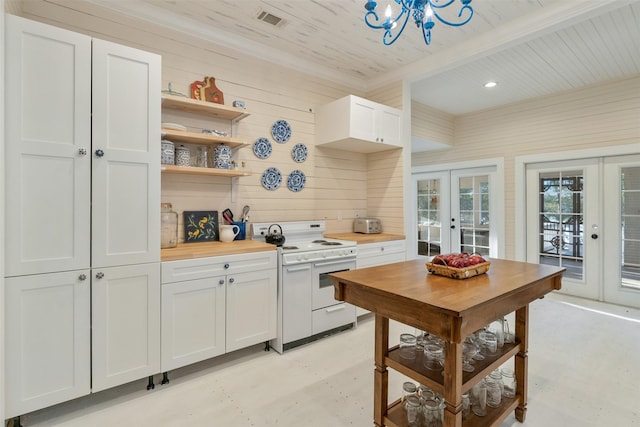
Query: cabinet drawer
point(200, 268)
point(327, 318)
point(375, 249)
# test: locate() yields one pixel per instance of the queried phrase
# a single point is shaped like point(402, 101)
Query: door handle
point(594, 236)
point(99, 152)
point(336, 308)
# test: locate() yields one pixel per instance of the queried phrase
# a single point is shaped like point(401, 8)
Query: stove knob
point(299, 258)
point(305, 256)
point(324, 255)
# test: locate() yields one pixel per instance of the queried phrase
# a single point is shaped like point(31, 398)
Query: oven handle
point(336, 308)
point(340, 261)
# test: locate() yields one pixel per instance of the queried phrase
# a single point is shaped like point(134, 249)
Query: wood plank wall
point(430, 124)
point(600, 116)
point(385, 181)
point(13, 7)
point(337, 181)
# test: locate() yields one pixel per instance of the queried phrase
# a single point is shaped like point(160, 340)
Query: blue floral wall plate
point(299, 153)
point(262, 148)
point(271, 178)
point(296, 180)
point(281, 131)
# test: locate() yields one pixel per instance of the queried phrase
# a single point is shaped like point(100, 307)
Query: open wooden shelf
point(414, 368)
point(397, 416)
point(192, 170)
point(203, 107)
point(201, 138)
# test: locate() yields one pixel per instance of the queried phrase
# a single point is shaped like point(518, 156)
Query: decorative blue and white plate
point(262, 148)
point(296, 180)
point(299, 153)
point(271, 178)
point(281, 131)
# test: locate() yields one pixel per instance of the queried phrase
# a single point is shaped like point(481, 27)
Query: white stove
point(306, 307)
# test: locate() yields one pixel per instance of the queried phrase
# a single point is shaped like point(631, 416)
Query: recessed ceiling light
point(490, 84)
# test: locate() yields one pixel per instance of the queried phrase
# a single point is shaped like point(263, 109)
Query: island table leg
point(380, 375)
point(521, 361)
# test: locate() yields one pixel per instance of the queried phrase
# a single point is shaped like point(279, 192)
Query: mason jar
point(169, 226)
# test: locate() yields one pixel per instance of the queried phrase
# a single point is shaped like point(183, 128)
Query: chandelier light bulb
point(429, 12)
point(387, 12)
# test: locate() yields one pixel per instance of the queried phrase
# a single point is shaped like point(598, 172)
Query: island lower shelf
point(397, 416)
point(415, 369)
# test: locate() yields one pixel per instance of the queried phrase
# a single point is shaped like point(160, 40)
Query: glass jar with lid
point(169, 226)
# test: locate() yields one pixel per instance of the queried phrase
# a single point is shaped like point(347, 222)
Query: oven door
point(322, 285)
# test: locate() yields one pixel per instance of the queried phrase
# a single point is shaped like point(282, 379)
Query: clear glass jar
point(169, 226)
point(509, 380)
point(494, 394)
point(409, 389)
point(412, 406)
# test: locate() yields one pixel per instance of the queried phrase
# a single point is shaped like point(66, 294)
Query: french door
point(584, 215)
point(454, 212)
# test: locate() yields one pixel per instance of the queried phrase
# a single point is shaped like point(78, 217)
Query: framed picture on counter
point(200, 226)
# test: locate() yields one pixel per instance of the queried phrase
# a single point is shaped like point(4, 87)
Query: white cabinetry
point(380, 253)
point(215, 305)
point(82, 161)
point(357, 124)
point(47, 340)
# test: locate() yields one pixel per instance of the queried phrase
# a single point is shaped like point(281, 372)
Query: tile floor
point(583, 371)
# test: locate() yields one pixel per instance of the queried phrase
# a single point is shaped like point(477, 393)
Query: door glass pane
point(474, 214)
point(561, 241)
point(429, 226)
point(630, 184)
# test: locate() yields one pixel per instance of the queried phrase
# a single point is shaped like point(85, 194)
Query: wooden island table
point(451, 309)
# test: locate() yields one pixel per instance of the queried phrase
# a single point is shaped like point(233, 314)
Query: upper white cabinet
point(48, 143)
point(125, 156)
point(357, 124)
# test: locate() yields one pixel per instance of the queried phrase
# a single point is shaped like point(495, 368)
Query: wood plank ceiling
point(531, 47)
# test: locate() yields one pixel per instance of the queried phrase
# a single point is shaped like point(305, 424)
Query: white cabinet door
point(193, 321)
point(125, 314)
point(388, 125)
point(363, 119)
point(47, 340)
point(251, 308)
point(48, 123)
point(125, 151)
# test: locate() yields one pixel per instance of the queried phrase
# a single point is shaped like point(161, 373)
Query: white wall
point(604, 115)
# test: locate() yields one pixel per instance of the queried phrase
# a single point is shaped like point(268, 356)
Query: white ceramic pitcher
point(228, 232)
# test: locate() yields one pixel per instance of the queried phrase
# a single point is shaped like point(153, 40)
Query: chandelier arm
point(388, 42)
point(375, 15)
point(439, 6)
point(456, 24)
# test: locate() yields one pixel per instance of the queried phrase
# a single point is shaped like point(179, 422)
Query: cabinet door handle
point(99, 153)
point(221, 282)
point(226, 266)
point(82, 151)
point(231, 280)
point(99, 275)
point(82, 277)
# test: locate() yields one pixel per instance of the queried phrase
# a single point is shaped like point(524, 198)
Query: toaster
point(367, 225)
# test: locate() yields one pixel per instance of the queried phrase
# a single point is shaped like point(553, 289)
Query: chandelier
point(422, 12)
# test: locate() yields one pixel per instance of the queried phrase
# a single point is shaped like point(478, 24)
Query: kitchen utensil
point(274, 238)
point(245, 213)
point(227, 215)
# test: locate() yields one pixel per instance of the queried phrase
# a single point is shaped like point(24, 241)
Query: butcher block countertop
point(365, 238)
point(208, 249)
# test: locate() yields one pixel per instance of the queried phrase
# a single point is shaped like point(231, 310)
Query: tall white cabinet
point(82, 289)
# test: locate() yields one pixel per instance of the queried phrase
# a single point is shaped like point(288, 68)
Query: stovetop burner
point(289, 248)
point(325, 243)
point(318, 241)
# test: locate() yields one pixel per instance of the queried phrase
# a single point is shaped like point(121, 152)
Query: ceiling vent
point(270, 18)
